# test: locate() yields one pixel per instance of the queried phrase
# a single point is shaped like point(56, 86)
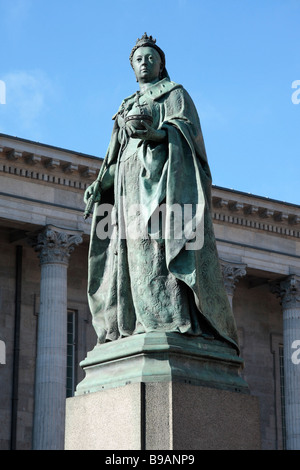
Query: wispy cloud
point(28, 96)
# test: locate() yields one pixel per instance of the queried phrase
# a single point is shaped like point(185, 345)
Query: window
point(2, 352)
point(71, 352)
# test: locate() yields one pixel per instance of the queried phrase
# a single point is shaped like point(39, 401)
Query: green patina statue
point(153, 262)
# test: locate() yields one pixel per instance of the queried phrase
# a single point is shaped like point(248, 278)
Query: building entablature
point(47, 163)
point(260, 232)
point(43, 185)
point(255, 212)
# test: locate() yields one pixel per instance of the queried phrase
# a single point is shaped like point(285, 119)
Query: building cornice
point(254, 212)
point(56, 167)
point(256, 196)
point(51, 165)
point(47, 147)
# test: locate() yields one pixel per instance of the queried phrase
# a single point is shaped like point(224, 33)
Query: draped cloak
point(174, 172)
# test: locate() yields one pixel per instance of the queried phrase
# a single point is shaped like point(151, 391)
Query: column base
point(162, 416)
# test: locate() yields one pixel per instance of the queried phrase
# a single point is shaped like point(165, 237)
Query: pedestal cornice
point(162, 357)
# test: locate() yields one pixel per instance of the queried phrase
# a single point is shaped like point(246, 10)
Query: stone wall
point(257, 311)
point(21, 432)
point(258, 316)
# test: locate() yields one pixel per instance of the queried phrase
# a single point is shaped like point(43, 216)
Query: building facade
point(45, 324)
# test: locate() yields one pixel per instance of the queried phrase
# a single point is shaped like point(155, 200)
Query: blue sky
point(66, 70)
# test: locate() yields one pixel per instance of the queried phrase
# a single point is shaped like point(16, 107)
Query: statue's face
point(146, 64)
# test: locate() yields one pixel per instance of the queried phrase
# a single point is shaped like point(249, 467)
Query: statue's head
point(146, 42)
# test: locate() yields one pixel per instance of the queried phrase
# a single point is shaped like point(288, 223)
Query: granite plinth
point(162, 416)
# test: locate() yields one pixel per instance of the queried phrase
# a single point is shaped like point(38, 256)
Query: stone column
point(54, 246)
point(231, 273)
point(289, 292)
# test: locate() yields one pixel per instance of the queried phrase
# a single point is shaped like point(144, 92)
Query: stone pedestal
point(162, 416)
point(162, 391)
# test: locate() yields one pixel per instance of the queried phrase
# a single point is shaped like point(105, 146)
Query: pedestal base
point(162, 416)
point(162, 357)
point(162, 391)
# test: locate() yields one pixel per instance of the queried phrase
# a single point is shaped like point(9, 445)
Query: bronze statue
point(151, 273)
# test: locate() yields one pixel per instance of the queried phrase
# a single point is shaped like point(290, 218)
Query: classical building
point(45, 324)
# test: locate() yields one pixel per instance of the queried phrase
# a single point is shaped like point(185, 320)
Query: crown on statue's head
point(145, 38)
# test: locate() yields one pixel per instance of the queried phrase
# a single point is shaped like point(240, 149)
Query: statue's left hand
point(155, 135)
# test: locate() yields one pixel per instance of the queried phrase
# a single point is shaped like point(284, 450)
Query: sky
point(64, 70)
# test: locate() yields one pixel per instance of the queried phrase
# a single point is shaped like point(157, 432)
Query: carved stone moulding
point(13, 154)
point(218, 202)
point(249, 209)
point(26, 157)
point(288, 290)
point(69, 167)
point(260, 211)
point(87, 172)
point(32, 158)
point(55, 245)
point(232, 272)
point(265, 213)
point(52, 163)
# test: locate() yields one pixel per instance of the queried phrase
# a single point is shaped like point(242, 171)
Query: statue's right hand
point(89, 191)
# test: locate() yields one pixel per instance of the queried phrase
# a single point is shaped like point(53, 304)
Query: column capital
point(288, 290)
point(232, 271)
point(55, 244)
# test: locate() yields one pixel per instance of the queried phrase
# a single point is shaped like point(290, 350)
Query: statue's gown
point(158, 281)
